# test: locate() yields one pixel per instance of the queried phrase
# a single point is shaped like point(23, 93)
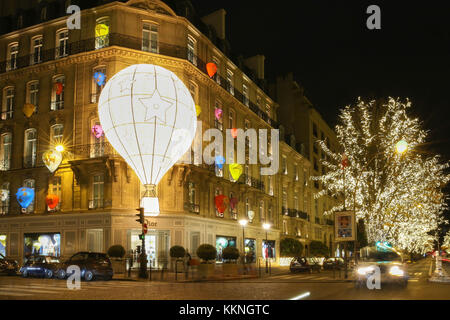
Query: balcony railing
point(121, 40)
point(252, 182)
point(4, 209)
point(192, 208)
point(93, 150)
point(96, 203)
point(5, 164)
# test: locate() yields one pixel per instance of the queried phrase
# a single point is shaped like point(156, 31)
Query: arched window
point(192, 50)
point(8, 103)
point(30, 147)
point(33, 93)
point(11, 56)
point(30, 183)
point(4, 198)
point(58, 86)
point(56, 134)
point(36, 49)
point(102, 33)
point(5, 151)
point(62, 40)
point(98, 182)
point(150, 37)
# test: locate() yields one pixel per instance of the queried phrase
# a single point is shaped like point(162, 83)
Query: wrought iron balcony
point(96, 204)
point(252, 182)
point(93, 150)
point(191, 207)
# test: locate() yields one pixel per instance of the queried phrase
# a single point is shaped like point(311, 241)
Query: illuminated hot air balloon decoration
point(234, 133)
point(211, 68)
point(149, 117)
point(28, 109)
point(101, 30)
point(198, 109)
point(52, 200)
point(25, 196)
point(97, 131)
point(235, 170)
point(99, 78)
point(218, 113)
point(219, 160)
point(52, 159)
point(58, 87)
point(221, 202)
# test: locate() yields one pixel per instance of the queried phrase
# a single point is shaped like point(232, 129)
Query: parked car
point(389, 261)
point(40, 266)
point(92, 265)
point(334, 263)
point(8, 266)
point(300, 264)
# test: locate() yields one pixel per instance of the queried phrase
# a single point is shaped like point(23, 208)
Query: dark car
point(8, 266)
point(388, 261)
point(92, 265)
point(40, 266)
point(333, 263)
point(300, 264)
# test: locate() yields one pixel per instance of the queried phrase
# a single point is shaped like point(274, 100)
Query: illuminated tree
point(396, 191)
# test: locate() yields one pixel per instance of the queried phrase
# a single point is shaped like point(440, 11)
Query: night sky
point(328, 47)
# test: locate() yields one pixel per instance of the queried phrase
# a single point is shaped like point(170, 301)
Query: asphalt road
point(282, 286)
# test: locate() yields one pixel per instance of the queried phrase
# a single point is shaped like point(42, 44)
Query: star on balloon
point(155, 106)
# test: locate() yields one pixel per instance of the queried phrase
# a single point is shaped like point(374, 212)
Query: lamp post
point(243, 223)
point(266, 227)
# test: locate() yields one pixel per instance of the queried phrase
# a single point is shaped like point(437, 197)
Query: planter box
point(230, 269)
point(206, 270)
point(119, 265)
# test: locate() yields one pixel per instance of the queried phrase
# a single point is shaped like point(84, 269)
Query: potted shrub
point(207, 253)
point(177, 253)
point(116, 254)
point(230, 255)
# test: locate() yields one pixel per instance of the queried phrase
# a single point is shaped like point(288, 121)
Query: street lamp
point(266, 227)
point(243, 223)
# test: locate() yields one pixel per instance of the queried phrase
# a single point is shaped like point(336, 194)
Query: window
point(44, 14)
point(231, 119)
point(270, 185)
point(216, 193)
point(248, 178)
point(5, 151)
point(233, 211)
point(217, 76)
point(150, 38)
point(191, 50)
point(97, 192)
point(230, 86)
point(55, 188)
point(285, 227)
point(316, 165)
point(218, 111)
point(36, 50)
point(33, 94)
point(98, 83)
point(97, 146)
point(8, 103)
point(219, 171)
point(315, 130)
point(30, 183)
point(191, 192)
point(4, 198)
point(284, 201)
point(296, 172)
point(102, 33)
point(268, 111)
point(13, 52)
point(30, 147)
point(284, 165)
point(56, 134)
point(247, 206)
point(245, 95)
point(261, 211)
point(269, 213)
point(62, 38)
point(258, 101)
point(296, 202)
point(57, 102)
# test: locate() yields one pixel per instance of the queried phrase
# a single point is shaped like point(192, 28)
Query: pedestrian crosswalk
point(49, 287)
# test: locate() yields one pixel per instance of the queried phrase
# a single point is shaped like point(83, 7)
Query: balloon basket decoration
point(150, 201)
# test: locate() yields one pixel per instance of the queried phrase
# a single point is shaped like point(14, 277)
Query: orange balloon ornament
point(28, 109)
point(234, 133)
point(211, 68)
point(52, 201)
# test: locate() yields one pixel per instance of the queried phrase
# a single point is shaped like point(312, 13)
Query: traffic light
point(141, 236)
point(140, 215)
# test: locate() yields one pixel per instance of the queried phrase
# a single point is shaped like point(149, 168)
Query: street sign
point(345, 226)
point(144, 228)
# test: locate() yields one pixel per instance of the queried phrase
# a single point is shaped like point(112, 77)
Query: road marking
point(301, 296)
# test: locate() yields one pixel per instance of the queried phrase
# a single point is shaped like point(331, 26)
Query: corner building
point(52, 68)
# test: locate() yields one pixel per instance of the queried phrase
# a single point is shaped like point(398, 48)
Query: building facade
point(55, 70)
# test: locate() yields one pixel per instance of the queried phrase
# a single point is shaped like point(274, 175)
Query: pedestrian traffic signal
point(140, 215)
point(142, 236)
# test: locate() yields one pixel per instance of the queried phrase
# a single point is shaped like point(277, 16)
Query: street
point(277, 287)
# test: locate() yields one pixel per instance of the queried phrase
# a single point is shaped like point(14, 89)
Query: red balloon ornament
point(211, 68)
point(221, 202)
point(52, 201)
point(234, 133)
point(58, 87)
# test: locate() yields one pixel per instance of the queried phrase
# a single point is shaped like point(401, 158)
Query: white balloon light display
point(149, 117)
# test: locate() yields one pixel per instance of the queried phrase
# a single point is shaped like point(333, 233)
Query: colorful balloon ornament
point(198, 109)
point(58, 86)
point(233, 202)
point(220, 160)
point(52, 159)
point(99, 78)
point(28, 109)
point(211, 68)
point(234, 133)
point(221, 203)
point(251, 215)
point(52, 200)
point(97, 131)
point(101, 30)
point(218, 113)
point(235, 170)
point(25, 196)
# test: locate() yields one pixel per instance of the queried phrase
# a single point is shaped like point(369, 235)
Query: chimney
point(217, 21)
point(256, 64)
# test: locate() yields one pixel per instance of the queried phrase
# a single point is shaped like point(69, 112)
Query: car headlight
point(396, 271)
point(364, 270)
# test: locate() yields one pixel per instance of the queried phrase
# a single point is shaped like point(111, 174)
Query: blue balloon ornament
point(25, 196)
point(99, 78)
point(220, 160)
